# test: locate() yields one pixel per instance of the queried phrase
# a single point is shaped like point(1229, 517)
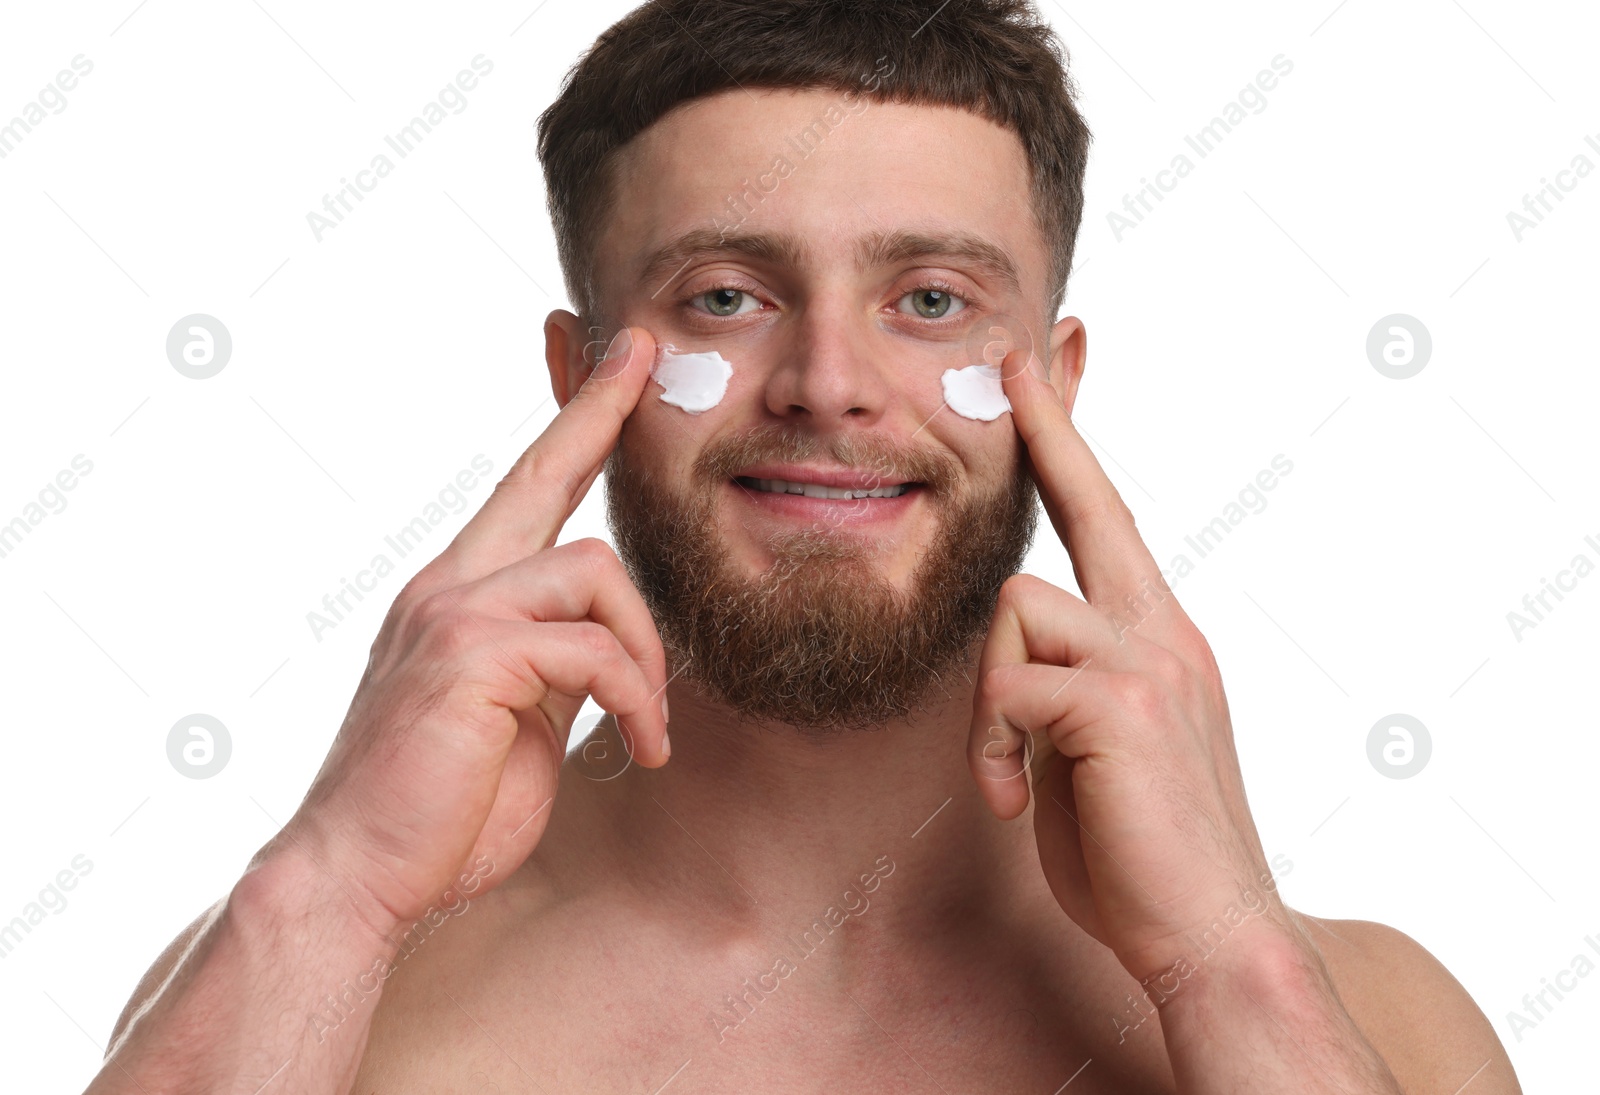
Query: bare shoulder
point(1422, 1021)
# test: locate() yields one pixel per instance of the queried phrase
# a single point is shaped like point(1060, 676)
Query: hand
point(455, 737)
point(1142, 825)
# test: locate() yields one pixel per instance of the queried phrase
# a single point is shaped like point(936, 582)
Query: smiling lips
point(838, 484)
point(817, 490)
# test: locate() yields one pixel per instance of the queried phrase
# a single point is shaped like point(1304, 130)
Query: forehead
point(823, 167)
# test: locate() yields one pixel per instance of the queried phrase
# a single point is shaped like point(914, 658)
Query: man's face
point(875, 241)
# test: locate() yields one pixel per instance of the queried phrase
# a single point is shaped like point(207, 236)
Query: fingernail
point(616, 356)
point(663, 708)
point(666, 744)
point(1036, 366)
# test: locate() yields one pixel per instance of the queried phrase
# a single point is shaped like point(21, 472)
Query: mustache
point(874, 454)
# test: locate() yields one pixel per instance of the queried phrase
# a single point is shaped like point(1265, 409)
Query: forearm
point(250, 999)
point(1261, 1014)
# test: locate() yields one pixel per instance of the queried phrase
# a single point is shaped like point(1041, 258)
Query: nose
point(833, 369)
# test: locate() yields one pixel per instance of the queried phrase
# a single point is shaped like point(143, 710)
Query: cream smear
point(693, 382)
point(975, 392)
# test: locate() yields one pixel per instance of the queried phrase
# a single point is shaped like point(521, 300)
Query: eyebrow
point(785, 249)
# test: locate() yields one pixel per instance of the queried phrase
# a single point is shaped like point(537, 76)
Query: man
point(827, 887)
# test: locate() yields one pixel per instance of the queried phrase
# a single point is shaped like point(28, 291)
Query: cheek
point(959, 382)
point(922, 392)
point(988, 451)
point(666, 439)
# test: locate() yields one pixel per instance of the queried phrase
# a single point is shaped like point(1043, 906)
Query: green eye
point(934, 303)
point(723, 302)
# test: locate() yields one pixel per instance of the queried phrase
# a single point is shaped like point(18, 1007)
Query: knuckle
point(595, 554)
point(599, 644)
point(1166, 665)
point(1018, 589)
point(517, 480)
point(436, 608)
point(992, 690)
point(446, 630)
point(1140, 696)
point(423, 585)
point(1192, 666)
point(522, 470)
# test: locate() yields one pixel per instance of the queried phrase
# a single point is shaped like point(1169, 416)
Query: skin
point(992, 932)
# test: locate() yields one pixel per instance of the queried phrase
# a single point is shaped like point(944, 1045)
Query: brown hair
point(996, 58)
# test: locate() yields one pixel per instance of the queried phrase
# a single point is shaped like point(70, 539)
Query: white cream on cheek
point(975, 392)
point(693, 382)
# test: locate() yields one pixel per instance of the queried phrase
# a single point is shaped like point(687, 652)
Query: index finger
point(1109, 557)
point(537, 495)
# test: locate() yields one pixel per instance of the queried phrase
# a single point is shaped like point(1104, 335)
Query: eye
point(934, 301)
point(727, 302)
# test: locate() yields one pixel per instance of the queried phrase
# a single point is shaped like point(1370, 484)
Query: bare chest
point(603, 1013)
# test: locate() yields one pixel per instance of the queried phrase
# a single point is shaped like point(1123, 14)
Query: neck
point(770, 827)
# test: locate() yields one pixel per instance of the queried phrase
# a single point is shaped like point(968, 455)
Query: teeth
point(816, 490)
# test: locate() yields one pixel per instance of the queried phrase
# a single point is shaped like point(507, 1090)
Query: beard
point(821, 640)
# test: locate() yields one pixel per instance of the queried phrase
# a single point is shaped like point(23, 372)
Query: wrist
point(1265, 1006)
point(1217, 930)
point(1267, 958)
point(294, 880)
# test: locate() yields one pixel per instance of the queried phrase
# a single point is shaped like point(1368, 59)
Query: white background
point(370, 368)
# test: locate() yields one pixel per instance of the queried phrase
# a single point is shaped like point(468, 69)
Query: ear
point(570, 350)
point(1069, 354)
